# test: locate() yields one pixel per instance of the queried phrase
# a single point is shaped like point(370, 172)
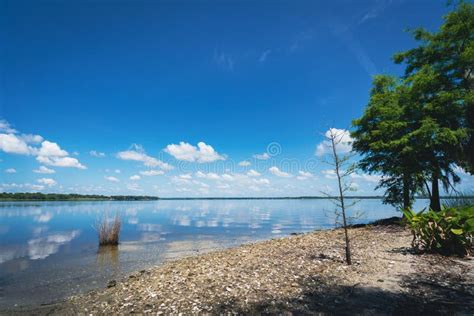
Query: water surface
point(48, 250)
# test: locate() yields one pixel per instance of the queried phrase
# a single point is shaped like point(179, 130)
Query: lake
point(49, 250)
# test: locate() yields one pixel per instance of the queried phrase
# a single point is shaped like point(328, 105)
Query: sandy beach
point(297, 274)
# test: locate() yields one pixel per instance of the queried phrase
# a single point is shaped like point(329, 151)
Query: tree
point(336, 138)
point(382, 137)
point(440, 75)
point(419, 128)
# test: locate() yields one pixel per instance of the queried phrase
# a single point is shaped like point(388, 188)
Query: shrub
point(109, 230)
point(449, 231)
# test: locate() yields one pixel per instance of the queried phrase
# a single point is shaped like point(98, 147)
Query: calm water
point(48, 250)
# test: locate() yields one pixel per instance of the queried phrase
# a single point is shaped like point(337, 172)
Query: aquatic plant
point(461, 199)
point(109, 230)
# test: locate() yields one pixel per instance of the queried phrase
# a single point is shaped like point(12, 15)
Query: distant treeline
point(36, 196)
point(93, 197)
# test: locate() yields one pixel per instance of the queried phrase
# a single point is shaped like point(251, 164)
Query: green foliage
point(416, 129)
point(441, 70)
point(37, 196)
point(383, 136)
point(447, 232)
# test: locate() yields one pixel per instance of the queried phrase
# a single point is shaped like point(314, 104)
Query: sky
point(191, 98)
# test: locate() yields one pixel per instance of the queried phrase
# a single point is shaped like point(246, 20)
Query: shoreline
point(302, 273)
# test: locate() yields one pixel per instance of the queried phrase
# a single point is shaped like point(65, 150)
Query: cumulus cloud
point(244, 163)
point(10, 170)
point(367, 177)
point(47, 181)
point(329, 173)
point(277, 172)
point(343, 146)
point(264, 156)
point(150, 173)
point(49, 153)
point(111, 179)
point(49, 149)
point(202, 153)
point(302, 175)
point(253, 173)
point(135, 177)
point(209, 176)
point(186, 176)
point(33, 139)
point(44, 170)
point(12, 144)
point(6, 128)
point(97, 154)
point(137, 153)
point(67, 162)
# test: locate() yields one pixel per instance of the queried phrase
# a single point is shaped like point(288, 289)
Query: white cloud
point(47, 181)
point(210, 175)
point(344, 142)
point(202, 153)
point(135, 177)
point(50, 149)
point(97, 154)
point(277, 172)
point(5, 127)
point(134, 187)
point(137, 153)
point(117, 171)
point(30, 138)
point(61, 162)
point(329, 173)
point(186, 176)
point(48, 153)
point(244, 163)
point(180, 181)
point(12, 144)
point(111, 179)
point(367, 177)
point(44, 170)
point(51, 154)
point(150, 173)
point(228, 177)
point(261, 181)
point(10, 170)
point(253, 173)
point(264, 156)
point(304, 175)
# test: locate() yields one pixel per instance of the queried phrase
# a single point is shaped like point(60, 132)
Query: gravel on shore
point(303, 274)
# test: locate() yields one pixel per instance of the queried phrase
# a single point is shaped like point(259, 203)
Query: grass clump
point(448, 232)
point(461, 199)
point(109, 230)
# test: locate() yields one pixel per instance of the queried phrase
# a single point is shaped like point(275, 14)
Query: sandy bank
point(302, 273)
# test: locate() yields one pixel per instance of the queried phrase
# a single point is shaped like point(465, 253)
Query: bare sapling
point(338, 144)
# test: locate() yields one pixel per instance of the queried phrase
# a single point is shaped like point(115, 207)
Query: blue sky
point(167, 98)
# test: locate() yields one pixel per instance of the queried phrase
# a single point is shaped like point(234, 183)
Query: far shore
point(302, 274)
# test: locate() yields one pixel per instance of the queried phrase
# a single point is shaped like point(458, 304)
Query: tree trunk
point(406, 191)
point(343, 208)
point(435, 203)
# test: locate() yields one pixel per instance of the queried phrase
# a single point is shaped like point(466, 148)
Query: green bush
point(449, 231)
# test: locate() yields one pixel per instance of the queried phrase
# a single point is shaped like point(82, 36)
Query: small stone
point(112, 283)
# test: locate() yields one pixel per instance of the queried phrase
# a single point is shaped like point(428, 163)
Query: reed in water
point(109, 230)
